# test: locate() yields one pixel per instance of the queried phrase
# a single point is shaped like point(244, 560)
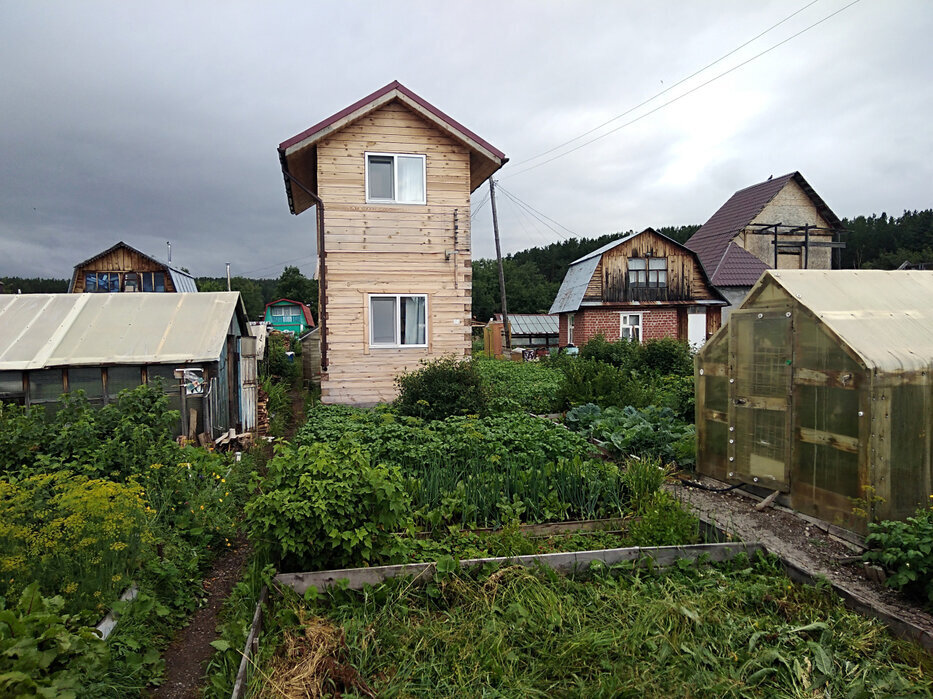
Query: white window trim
point(398, 319)
point(570, 323)
point(394, 156)
point(641, 324)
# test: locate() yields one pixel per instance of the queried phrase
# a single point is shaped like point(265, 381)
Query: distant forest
point(533, 276)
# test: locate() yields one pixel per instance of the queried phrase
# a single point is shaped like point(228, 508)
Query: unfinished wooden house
point(199, 345)
point(820, 386)
point(781, 223)
point(640, 287)
point(122, 268)
point(390, 177)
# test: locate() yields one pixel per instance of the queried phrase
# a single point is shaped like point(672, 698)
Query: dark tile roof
point(738, 267)
point(712, 241)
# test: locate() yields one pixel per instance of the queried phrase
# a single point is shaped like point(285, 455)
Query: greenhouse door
point(760, 361)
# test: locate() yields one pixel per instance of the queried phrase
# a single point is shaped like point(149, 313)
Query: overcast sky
point(148, 122)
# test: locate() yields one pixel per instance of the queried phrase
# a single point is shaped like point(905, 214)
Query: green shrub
point(328, 506)
point(623, 354)
point(44, 653)
point(905, 550)
point(593, 381)
point(663, 522)
point(440, 388)
point(278, 364)
point(278, 405)
point(520, 386)
point(114, 441)
point(667, 356)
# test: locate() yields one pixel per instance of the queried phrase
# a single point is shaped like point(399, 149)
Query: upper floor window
point(395, 179)
point(647, 272)
point(109, 282)
point(286, 314)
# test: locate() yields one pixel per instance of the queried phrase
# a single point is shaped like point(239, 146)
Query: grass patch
point(733, 630)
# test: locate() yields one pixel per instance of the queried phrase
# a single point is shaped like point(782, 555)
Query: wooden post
point(495, 229)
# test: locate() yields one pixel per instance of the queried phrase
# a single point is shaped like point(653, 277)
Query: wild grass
point(734, 630)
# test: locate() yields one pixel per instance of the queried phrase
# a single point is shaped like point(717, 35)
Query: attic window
point(395, 179)
point(650, 272)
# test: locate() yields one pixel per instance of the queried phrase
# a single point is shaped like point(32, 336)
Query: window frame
point(641, 278)
point(395, 157)
point(623, 316)
point(570, 322)
point(398, 320)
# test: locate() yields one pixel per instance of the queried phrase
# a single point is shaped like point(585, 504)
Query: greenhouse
point(819, 387)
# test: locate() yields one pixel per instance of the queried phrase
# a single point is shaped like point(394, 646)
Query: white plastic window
point(398, 320)
point(395, 179)
point(630, 327)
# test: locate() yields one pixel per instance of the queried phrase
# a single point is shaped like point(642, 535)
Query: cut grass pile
point(732, 630)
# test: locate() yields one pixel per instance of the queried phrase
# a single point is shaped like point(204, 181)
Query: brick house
point(781, 223)
point(643, 286)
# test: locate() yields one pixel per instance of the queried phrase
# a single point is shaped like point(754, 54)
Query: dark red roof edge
point(394, 85)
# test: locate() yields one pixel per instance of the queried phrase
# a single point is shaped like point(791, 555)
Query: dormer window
point(647, 272)
point(395, 179)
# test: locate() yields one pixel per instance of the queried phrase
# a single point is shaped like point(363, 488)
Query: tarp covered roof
point(884, 317)
point(39, 331)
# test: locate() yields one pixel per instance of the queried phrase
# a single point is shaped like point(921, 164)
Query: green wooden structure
point(289, 316)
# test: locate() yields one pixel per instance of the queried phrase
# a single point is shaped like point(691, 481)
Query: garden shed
point(198, 344)
point(819, 386)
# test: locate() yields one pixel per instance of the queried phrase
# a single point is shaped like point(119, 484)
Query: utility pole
point(495, 230)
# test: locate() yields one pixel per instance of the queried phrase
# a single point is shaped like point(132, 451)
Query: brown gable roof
point(295, 147)
point(738, 267)
point(712, 241)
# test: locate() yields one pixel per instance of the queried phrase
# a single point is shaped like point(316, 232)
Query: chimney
point(169, 244)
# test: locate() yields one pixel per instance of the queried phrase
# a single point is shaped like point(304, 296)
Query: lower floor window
point(398, 320)
point(630, 328)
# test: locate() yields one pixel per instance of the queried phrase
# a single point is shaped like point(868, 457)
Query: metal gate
point(761, 358)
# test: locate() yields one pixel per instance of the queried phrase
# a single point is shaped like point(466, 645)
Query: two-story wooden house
point(781, 223)
point(390, 177)
point(639, 287)
point(123, 268)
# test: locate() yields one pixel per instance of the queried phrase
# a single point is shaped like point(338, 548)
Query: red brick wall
point(658, 324)
point(590, 322)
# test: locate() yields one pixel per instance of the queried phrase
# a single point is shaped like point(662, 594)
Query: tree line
point(533, 276)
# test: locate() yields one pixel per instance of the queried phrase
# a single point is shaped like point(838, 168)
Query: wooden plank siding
point(395, 249)
point(122, 260)
point(685, 281)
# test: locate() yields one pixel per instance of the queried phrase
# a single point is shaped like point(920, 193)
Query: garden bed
point(731, 629)
point(806, 545)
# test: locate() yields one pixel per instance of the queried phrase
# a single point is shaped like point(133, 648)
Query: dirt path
point(191, 647)
point(805, 544)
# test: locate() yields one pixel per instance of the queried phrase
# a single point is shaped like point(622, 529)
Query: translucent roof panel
point(884, 317)
point(38, 331)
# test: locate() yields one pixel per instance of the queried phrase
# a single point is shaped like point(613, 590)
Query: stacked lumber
point(233, 441)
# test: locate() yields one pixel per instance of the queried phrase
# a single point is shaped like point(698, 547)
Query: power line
point(479, 206)
point(688, 92)
point(665, 91)
point(291, 262)
point(529, 206)
point(536, 214)
point(523, 214)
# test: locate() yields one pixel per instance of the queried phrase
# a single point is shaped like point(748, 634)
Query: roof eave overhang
point(490, 158)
